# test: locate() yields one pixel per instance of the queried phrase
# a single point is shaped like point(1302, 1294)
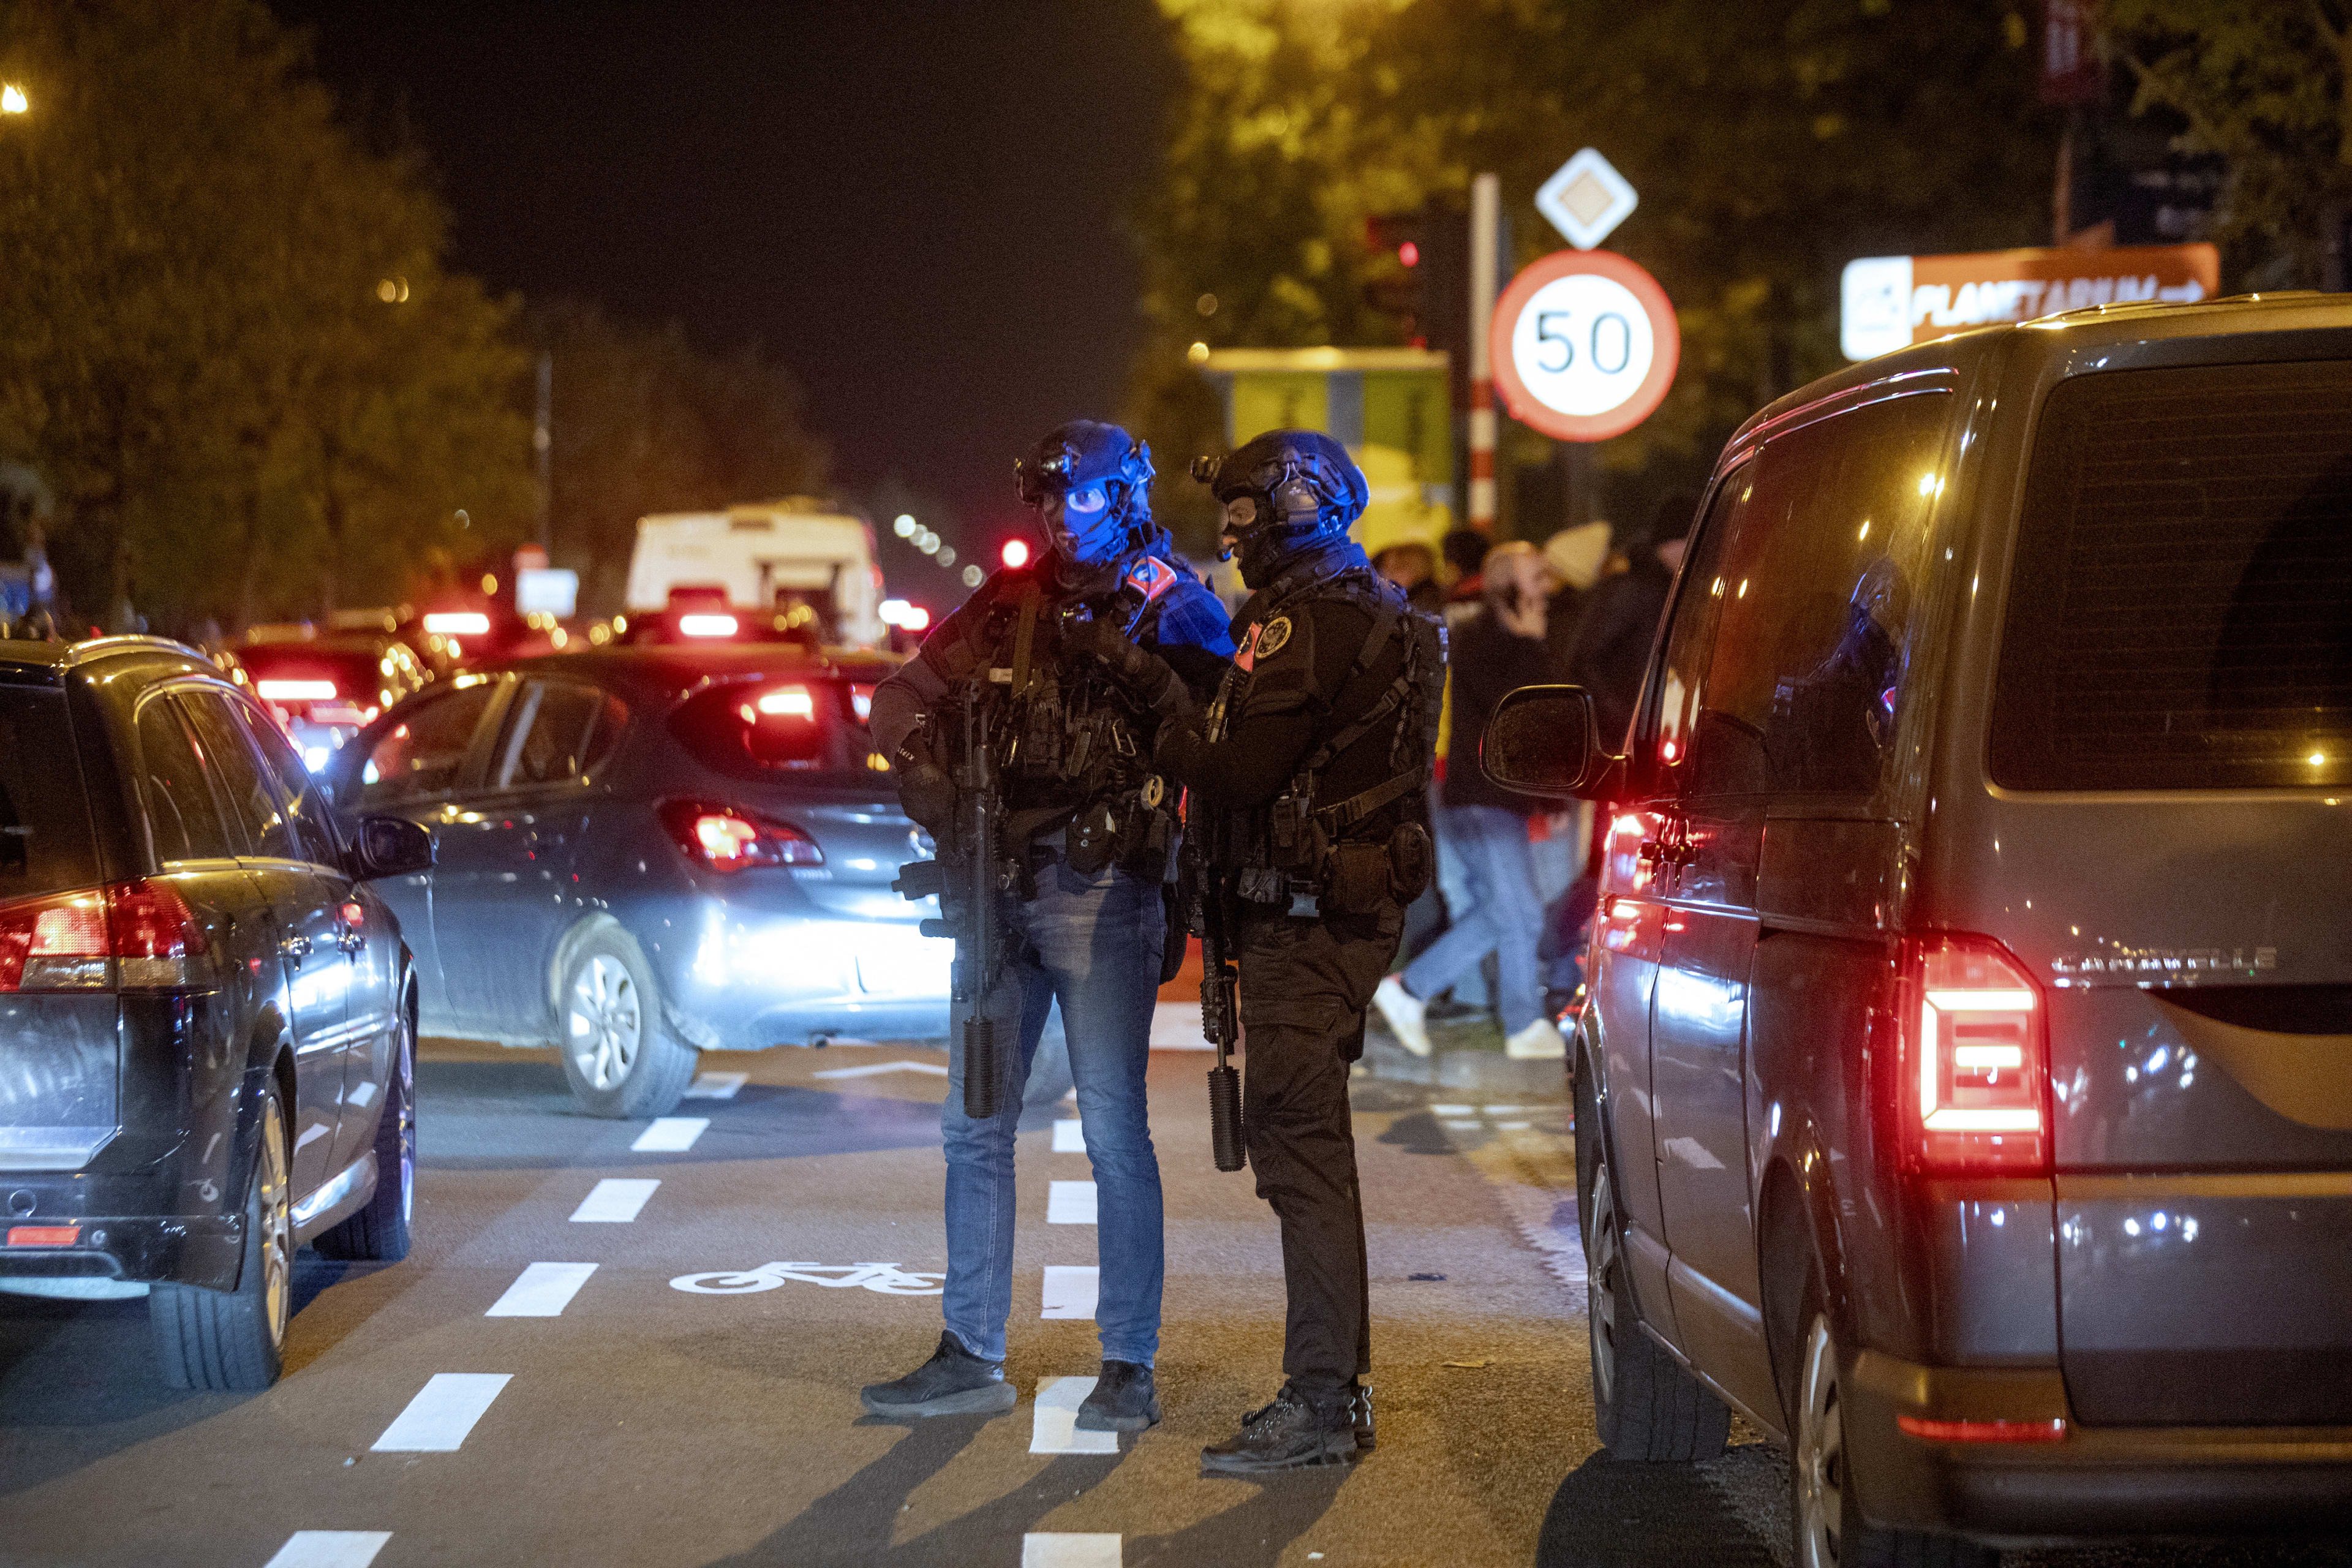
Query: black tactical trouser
point(1305, 985)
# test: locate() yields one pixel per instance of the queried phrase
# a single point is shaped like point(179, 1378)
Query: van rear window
point(2180, 605)
point(788, 727)
point(46, 842)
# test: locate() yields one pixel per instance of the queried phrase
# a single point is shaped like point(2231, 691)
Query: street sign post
point(1584, 345)
point(1889, 302)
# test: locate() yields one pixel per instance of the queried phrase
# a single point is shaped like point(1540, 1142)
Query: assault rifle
point(967, 889)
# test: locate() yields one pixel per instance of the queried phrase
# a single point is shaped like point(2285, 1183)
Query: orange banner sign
point(1890, 302)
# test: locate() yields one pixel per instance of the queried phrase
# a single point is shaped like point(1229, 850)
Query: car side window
point(298, 796)
point(1698, 605)
point(183, 820)
point(422, 754)
point(235, 767)
point(547, 734)
point(1819, 580)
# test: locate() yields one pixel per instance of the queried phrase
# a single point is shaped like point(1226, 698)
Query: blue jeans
point(1094, 944)
point(1505, 915)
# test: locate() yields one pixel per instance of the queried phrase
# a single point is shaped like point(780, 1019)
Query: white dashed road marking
point(615, 1200)
point(716, 1085)
point(670, 1134)
point(1070, 1203)
point(443, 1412)
point(1040, 1550)
point(543, 1290)
point(1069, 1137)
point(1070, 1292)
point(1452, 1124)
point(330, 1548)
point(871, 1068)
point(1053, 1427)
point(1452, 1109)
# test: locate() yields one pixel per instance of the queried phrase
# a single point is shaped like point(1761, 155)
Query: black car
point(1962, 1088)
point(648, 852)
point(206, 1016)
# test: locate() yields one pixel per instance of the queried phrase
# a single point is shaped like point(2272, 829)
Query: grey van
point(1964, 1087)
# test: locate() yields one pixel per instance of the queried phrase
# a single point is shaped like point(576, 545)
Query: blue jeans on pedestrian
point(1094, 944)
point(1505, 915)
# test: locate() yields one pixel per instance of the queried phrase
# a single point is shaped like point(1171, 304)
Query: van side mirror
point(1545, 739)
point(390, 846)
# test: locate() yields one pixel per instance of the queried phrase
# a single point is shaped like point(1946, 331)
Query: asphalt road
point(534, 1385)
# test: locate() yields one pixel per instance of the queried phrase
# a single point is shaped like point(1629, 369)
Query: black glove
point(928, 796)
point(1146, 675)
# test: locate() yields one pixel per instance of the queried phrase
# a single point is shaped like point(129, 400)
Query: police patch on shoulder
point(1274, 637)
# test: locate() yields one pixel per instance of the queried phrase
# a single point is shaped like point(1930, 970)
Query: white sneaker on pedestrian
point(1538, 1042)
point(1402, 1010)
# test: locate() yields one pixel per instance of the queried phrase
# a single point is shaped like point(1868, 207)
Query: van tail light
point(2051, 1431)
point(728, 838)
point(1975, 1084)
point(134, 936)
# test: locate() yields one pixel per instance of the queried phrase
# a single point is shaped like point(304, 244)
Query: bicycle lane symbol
point(883, 1279)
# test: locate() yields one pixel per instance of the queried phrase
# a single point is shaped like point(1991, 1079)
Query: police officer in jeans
point(1090, 831)
point(1308, 777)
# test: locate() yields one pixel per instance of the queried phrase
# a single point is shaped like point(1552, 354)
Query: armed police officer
point(1032, 768)
point(1308, 809)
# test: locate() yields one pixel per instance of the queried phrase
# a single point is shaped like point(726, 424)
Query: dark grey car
point(1965, 1086)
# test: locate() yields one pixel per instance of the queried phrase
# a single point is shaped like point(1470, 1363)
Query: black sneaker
point(1123, 1400)
point(1295, 1431)
point(954, 1382)
point(1359, 1412)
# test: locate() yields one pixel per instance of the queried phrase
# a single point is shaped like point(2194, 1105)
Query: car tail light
point(728, 838)
point(788, 702)
point(296, 690)
point(2051, 1431)
point(44, 1235)
point(459, 623)
point(706, 626)
point(1976, 1080)
point(139, 936)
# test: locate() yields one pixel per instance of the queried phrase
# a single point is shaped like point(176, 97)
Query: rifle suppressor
point(1225, 1115)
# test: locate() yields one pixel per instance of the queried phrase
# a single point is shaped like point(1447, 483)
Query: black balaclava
point(1104, 478)
point(1306, 491)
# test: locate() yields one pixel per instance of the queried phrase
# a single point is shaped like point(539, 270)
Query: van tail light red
point(2051, 1431)
point(1975, 1081)
point(44, 1235)
point(728, 838)
point(133, 936)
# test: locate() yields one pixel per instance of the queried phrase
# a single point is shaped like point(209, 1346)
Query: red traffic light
point(1017, 553)
point(1409, 253)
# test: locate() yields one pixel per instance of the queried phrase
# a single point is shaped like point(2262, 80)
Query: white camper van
point(762, 553)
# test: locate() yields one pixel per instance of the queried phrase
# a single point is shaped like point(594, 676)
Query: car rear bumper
point(748, 979)
point(2094, 1481)
point(185, 1249)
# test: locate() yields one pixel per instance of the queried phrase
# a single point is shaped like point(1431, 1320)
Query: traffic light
point(1420, 272)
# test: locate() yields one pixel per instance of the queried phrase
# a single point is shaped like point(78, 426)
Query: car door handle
point(296, 948)
point(351, 941)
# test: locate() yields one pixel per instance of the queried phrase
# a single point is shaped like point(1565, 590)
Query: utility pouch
point(1356, 878)
point(1092, 840)
point(1291, 830)
point(1262, 885)
point(1412, 862)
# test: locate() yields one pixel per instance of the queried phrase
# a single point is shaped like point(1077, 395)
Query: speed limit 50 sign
point(1584, 345)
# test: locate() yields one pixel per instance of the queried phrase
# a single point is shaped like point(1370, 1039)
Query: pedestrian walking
point(1081, 856)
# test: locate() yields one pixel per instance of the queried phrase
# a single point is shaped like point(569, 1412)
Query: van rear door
point(2169, 848)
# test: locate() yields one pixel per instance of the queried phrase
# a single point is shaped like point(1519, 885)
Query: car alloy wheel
point(275, 1216)
point(1602, 1265)
point(1819, 1454)
point(605, 1024)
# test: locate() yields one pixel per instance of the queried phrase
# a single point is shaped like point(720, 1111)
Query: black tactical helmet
point(1305, 486)
point(1089, 452)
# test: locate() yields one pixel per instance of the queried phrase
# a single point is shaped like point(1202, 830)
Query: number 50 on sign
point(1584, 345)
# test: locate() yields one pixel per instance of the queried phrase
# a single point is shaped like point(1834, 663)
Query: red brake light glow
point(2051, 1431)
point(706, 626)
point(296, 690)
point(1017, 553)
point(728, 838)
point(459, 623)
point(789, 701)
point(1977, 1054)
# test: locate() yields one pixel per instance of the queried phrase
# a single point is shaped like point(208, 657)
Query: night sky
point(919, 209)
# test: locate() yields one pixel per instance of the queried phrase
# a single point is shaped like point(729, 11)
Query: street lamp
point(12, 100)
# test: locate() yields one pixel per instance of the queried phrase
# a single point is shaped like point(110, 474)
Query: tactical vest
point(1072, 746)
point(1320, 855)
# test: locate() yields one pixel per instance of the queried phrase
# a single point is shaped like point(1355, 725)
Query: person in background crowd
point(1413, 566)
point(1465, 549)
point(1611, 644)
point(1575, 556)
point(1497, 650)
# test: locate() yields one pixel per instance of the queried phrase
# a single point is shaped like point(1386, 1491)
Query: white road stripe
point(330, 1548)
point(871, 1068)
point(1069, 1137)
point(1070, 1292)
point(716, 1085)
point(443, 1412)
point(543, 1290)
point(1470, 1126)
point(670, 1134)
point(1513, 1126)
point(1041, 1550)
point(615, 1200)
point(1070, 1203)
point(1053, 1426)
point(1452, 1109)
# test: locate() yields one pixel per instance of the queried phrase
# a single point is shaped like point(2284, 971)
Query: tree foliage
point(1771, 142)
point(226, 339)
